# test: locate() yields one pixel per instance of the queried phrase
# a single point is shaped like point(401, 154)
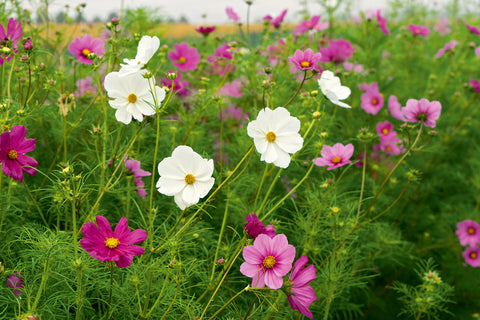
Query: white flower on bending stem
point(145, 51)
point(131, 96)
point(185, 175)
point(275, 134)
point(332, 89)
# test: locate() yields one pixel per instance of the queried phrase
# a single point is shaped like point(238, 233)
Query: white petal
point(203, 188)
point(343, 92)
point(261, 143)
point(123, 116)
point(204, 171)
point(283, 160)
point(168, 168)
point(179, 201)
point(189, 195)
point(270, 154)
point(290, 143)
point(170, 187)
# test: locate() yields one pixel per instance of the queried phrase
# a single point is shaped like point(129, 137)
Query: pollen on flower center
point(112, 243)
point(182, 60)
point(271, 137)
point(12, 154)
point(336, 159)
point(269, 262)
point(471, 230)
point(86, 52)
point(385, 131)
point(473, 255)
point(374, 101)
point(305, 64)
point(189, 178)
point(132, 98)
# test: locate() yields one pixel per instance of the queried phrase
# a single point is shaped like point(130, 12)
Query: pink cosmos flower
point(82, 47)
point(185, 58)
point(205, 31)
point(306, 25)
point(448, 47)
point(391, 145)
point(422, 111)
point(275, 51)
point(13, 147)
point(472, 256)
point(395, 108)
point(235, 114)
point(336, 156)
point(268, 260)
point(472, 29)
point(232, 89)
point(105, 245)
point(477, 51)
point(385, 130)
point(305, 60)
point(255, 227)
point(468, 232)
point(15, 283)
point(85, 87)
point(418, 30)
point(382, 23)
point(134, 167)
point(232, 15)
point(372, 99)
point(357, 68)
point(275, 22)
point(442, 26)
point(475, 85)
point(300, 294)
point(337, 51)
point(10, 38)
point(220, 60)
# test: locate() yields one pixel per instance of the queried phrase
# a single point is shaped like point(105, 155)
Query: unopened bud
point(172, 75)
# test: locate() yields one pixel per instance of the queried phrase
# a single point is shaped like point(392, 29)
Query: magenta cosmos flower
point(372, 99)
point(305, 60)
point(10, 38)
point(468, 232)
point(422, 111)
point(475, 85)
point(299, 293)
point(472, 256)
point(337, 51)
point(185, 58)
point(105, 245)
point(382, 23)
point(473, 29)
point(82, 47)
point(13, 147)
point(418, 30)
point(268, 260)
point(336, 156)
point(255, 227)
point(448, 47)
point(134, 167)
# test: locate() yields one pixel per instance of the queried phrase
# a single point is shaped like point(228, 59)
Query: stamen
point(132, 98)
point(269, 262)
point(471, 230)
point(85, 52)
point(12, 154)
point(271, 137)
point(336, 159)
point(305, 64)
point(189, 178)
point(182, 60)
point(385, 131)
point(112, 243)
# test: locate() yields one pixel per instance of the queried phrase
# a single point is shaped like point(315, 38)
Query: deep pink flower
point(372, 99)
point(205, 31)
point(299, 293)
point(185, 58)
point(305, 60)
point(422, 111)
point(82, 47)
point(10, 38)
point(336, 156)
point(13, 147)
point(255, 227)
point(268, 260)
point(337, 51)
point(418, 30)
point(85, 87)
point(15, 283)
point(475, 85)
point(382, 23)
point(472, 29)
point(105, 245)
point(138, 173)
point(448, 47)
point(472, 256)
point(468, 232)
point(442, 26)
point(220, 60)
point(385, 130)
point(179, 87)
point(306, 25)
point(275, 22)
point(232, 15)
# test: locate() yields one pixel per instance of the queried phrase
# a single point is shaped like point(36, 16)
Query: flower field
point(323, 169)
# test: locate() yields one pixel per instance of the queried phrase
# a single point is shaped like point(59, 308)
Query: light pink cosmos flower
point(82, 47)
point(232, 89)
point(299, 293)
point(13, 147)
point(382, 23)
point(184, 57)
point(255, 227)
point(442, 26)
point(268, 260)
point(472, 29)
point(468, 232)
point(417, 30)
point(357, 68)
point(472, 256)
point(475, 85)
point(335, 156)
point(337, 51)
point(372, 99)
point(220, 60)
point(395, 108)
point(105, 245)
point(85, 87)
point(10, 38)
point(306, 25)
point(422, 111)
point(232, 15)
point(138, 173)
point(385, 130)
point(448, 47)
point(391, 145)
point(305, 60)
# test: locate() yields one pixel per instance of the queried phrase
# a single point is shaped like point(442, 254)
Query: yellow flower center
point(271, 137)
point(189, 178)
point(374, 101)
point(388, 148)
point(471, 230)
point(385, 131)
point(473, 255)
point(336, 159)
point(269, 262)
point(305, 64)
point(85, 52)
point(132, 98)
point(12, 154)
point(112, 243)
point(182, 60)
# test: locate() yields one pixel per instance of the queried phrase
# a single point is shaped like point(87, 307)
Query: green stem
point(261, 184)
point(225, 214)
point(227, 303)
point(363, 180)
point(268, 192)
point(298, 90)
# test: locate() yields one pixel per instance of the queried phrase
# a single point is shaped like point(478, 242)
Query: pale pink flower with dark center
point(468, 232)
point(337, 51)
point(184, 57)
point(448, 47)
point(255, 227)
point(105, 245)
point(299, 293)
point(472, 29)
point(472, 256)
point(442, 26)
point(82, 47)
point(422, 111)
point(13, 147)
point(305, 60)
point(372, 99)
point(335, 156)
point(138, 173)
point(232, 15)
point(417, 30)
point(382, 23)
point(268, 260)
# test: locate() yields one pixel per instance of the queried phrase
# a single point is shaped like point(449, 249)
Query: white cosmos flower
point(131, 96)
point(145, 51)
point(333, 90)
point(275, 134)
point(185, 175)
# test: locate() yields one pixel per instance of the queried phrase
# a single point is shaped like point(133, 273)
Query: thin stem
point(391, 205)
point(364, 161)
point(261, 184)
point(225, 214)
point(227, 303)
point(298, 90)
point(268, 192)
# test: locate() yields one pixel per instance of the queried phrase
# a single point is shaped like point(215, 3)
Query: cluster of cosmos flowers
point(468, 232)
